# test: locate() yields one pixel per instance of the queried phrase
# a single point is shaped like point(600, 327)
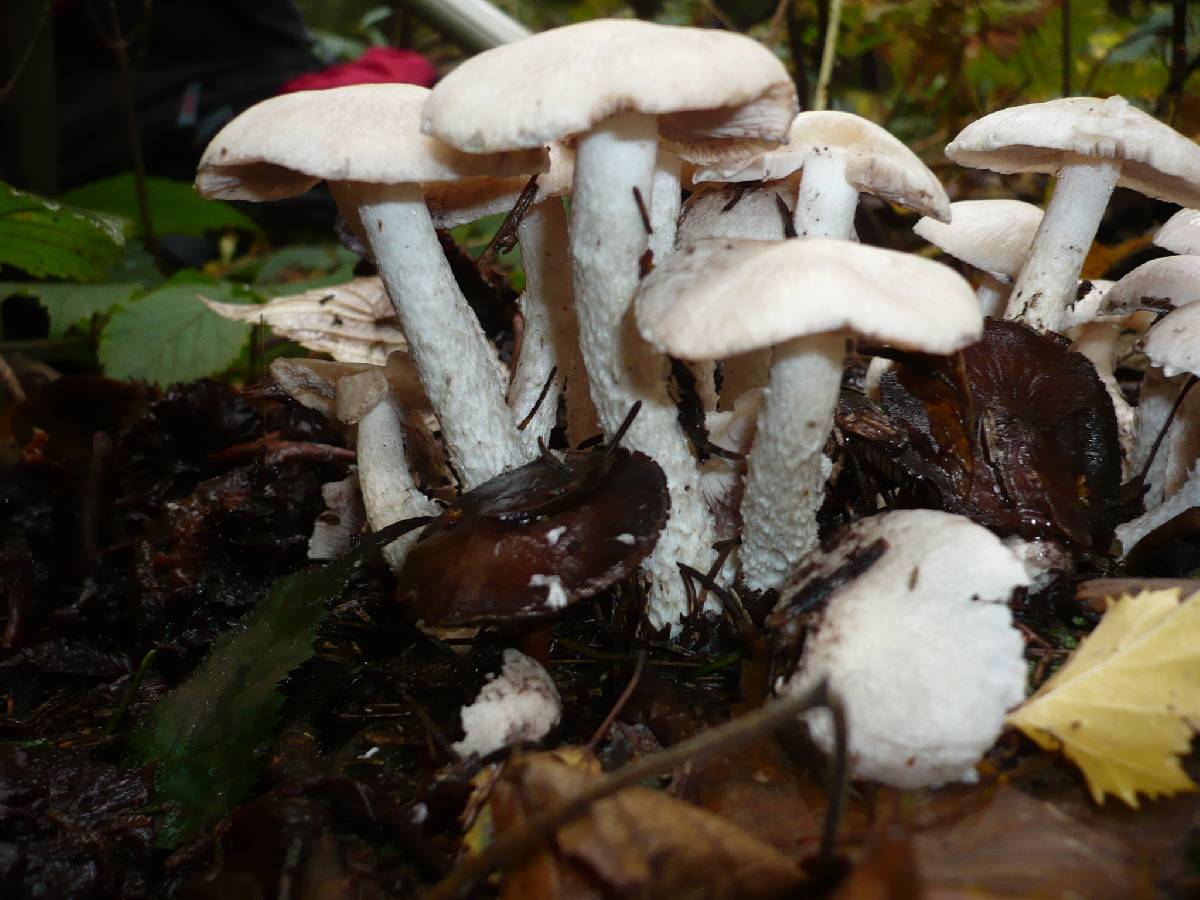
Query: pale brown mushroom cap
point(992, 235)
point(371, 133)
point(716, 93)
point(1157, 161)
point(712, 299)
point(876, 161)
point(454, 203)
point(1181, 233)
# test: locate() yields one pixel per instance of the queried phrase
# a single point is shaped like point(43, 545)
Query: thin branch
point(23, 62)
point(825, 74)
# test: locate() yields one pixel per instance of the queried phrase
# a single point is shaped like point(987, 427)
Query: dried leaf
point(1124, 706)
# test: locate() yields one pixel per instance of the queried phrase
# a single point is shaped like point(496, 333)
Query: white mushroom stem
point(457, 367)
point(608, 239)
point(785, 480)
point(389, 492)
point(993, 295)
point(1098, 342)
point(664, 221)
point(1048, 279)
point(826, 203)
point(551, 335)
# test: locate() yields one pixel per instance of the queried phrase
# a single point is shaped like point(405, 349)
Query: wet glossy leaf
point(175, 207)
point(51, 239)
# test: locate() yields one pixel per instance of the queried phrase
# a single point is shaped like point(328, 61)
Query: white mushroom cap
point(1173, 343)
point(1175, 279)
point(920, 648)
point(715, 298)
point(876, 162)
point(370, 133)
point(563, 81)
point(1157, 161)
point(520, 704)
point(454, 203)
point(736, 211)
point(1181, 233)
point(991, 235)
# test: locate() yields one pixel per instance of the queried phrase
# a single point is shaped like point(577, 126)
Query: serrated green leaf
point(49, 239)
point(208, 735)
point(169, 335)
point(175, 207)
point(71, 304)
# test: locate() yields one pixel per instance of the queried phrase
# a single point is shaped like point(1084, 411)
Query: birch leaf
point(1124, 706)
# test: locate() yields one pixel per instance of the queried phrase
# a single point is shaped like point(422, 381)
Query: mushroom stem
point(1051, 271)
point(784, 482)
point(1097, 341)
point(608, 238)
point(551, 331)
point(389, 492)
point(826, 203)
point(458, 370)
point(993, 295)
point(1181, 444)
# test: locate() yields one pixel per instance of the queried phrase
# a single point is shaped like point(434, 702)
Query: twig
point(828, 52)
point(619, 705)
point(1066, 48)
point(515, 845)
point(43, 18)
point(130, 693)
point(505, 237)
point(537, 404)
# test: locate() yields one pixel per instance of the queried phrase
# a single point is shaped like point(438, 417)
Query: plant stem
point(821, 92)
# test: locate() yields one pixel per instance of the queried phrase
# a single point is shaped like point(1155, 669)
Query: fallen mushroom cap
point(563, 81)
point(519, 704)
point(876, 161)
point(532, 541)
point(1181, 233)
point(696, 304)
point(919, 648)
point(1156, 159)
point(991, 235)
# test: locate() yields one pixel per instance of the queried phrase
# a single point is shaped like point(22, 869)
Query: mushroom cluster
point(759, 285)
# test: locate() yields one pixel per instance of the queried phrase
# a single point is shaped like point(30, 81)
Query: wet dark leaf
point(536, 539)
point(1022, 430)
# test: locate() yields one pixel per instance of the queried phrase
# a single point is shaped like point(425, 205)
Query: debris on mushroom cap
point(1157, 160)
point(991, 235)
point(1167, 282)
point(1181, 233)
point(352, 322)
point(876, 161)
point(920, 647)
point(520, 704)
point(369, 133)
point(532, 541)
point(702, 84)
point(1022, 429)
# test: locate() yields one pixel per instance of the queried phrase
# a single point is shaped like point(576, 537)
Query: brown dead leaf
point(1018, 846)
point(887, 872)
point(639, 842)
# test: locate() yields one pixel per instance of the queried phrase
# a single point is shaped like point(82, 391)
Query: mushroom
point(618, 85)
point(991, 235)
point(808, 297)
point(920, 648)
point(842, 155)
point(1091, 146)
point(1181, 233)
point(519, 704)
point(366, 142)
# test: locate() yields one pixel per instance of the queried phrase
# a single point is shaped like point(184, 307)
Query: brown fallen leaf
point(639, 842)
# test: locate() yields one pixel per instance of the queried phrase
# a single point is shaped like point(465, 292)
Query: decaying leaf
point(532, 541)
point(1124, 706)
point(639, 842)
point(1021, 432)
point(352, 322)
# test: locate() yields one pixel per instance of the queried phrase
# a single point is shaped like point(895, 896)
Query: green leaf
point(302, 267)
point(208, 735)
point(175, 207)
point(49, 239)
point(70, 304)
point(169, 335)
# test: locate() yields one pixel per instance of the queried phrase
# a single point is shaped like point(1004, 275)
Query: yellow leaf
point(1124, 705)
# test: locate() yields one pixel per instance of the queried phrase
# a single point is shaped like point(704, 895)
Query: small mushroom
point(520, 704)
point(533, 541)
point(1181, 233)
point(1091, 146)
point(919, 648)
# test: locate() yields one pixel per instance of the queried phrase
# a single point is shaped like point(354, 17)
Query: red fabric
point(379, 65)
